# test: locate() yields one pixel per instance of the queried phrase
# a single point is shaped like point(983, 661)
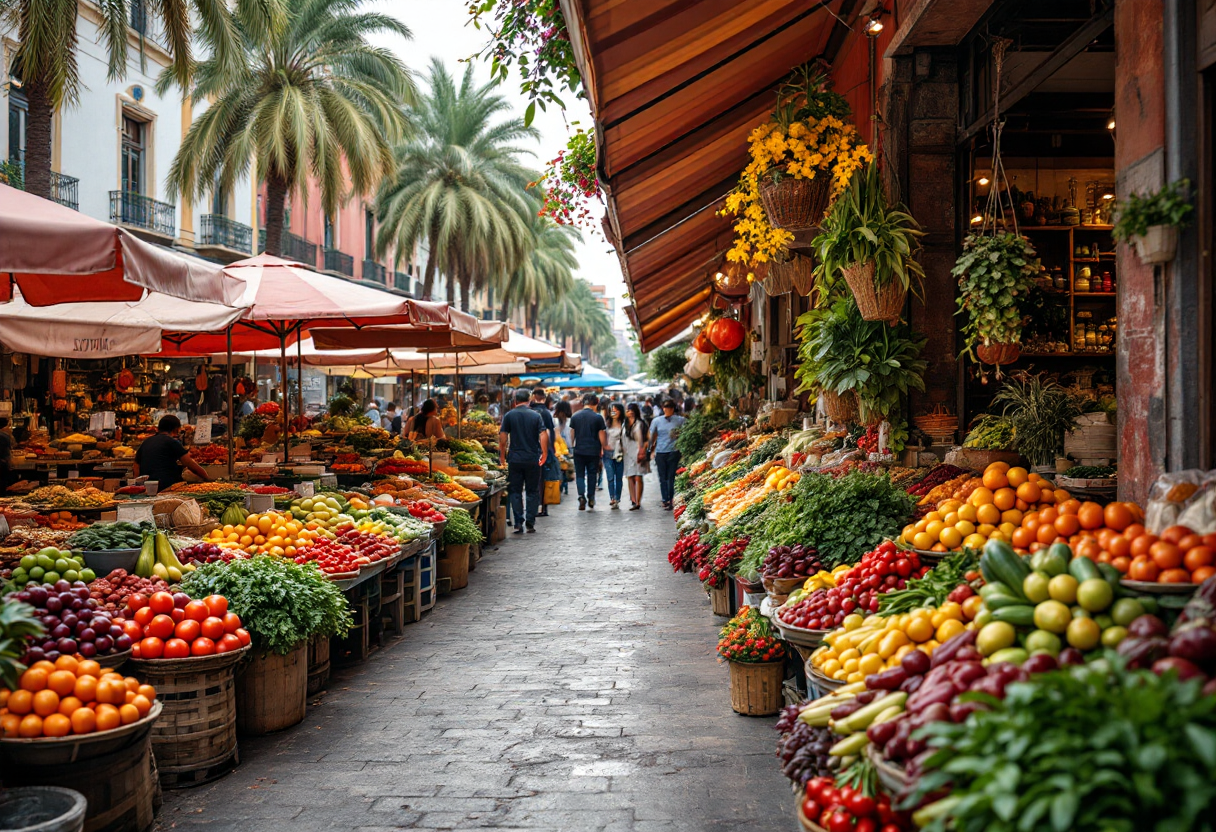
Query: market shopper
point(426, 425)
point(161, 457)
point(637, 464)
point(663, 432)
point(561, 419)
point(523, 445)
point(391, 420)
point(590, 442)
point(373, 412)
point(614, 455)
point(552, 471)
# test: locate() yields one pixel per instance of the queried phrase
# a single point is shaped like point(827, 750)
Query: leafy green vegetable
point(696, 432)
point(931, 590)
point(1091, 472)
point(279, 601)
point(17, 626)
point(461, 528)
point(1094, 748)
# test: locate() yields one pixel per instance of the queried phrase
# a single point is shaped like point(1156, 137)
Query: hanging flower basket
point(876, 303)
point(841, 407)
point(795, 204)
point(778, 282)
point(998, 353)
point(797, 272)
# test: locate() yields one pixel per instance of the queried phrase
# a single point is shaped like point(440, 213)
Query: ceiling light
point(977, 219)
point(1110, 125)
point(1108, 195)
point(982, 181)
point(874, 26)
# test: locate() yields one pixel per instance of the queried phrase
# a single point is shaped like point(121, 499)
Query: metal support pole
point(231, 407)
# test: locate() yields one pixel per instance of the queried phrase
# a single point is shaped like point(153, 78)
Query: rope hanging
point(994, 210)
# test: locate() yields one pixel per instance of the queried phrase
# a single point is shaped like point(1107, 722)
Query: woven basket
point(998, 353)
point(841, 407)
point(884, 303)
point(796, 272)
point(938, 423)
point(795, 204)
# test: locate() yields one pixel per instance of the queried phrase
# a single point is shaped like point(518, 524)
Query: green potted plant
point(1151, 222)
point(1038, 412)
point(872, 243)
point(18, 626)
point(459, 534)
point(863, 369)
point(995, 273)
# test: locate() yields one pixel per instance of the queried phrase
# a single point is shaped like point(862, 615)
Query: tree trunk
point(428, 276)
point(38, 140)
point(534, 314)
point(276, 202)
point(450, 284)
point(466, 290)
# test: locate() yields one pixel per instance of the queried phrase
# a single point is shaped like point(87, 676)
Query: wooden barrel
point(755, 687)
point(318, 663)
point(454, 564)
point(272, 692)
point(195, 738)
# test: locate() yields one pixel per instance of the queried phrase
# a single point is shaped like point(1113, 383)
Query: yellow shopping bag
point(553, 493)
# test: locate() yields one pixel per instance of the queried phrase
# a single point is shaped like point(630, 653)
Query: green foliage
point(1040, 412)
point(570, 182)
point(666, 363)
point(579, 315)
point(994, 275)
point(1092, 748)
point(732, 371)
point(460, 528)
point(991, 433)
point(1169, 206)
point(861, 227)
point(17, 626)
point(696, 432)
point(546, 274)
point(12, 175)
point(343, 405)
point(280, 602)
point(840, 351)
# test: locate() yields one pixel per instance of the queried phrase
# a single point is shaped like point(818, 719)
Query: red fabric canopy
point(48, 249)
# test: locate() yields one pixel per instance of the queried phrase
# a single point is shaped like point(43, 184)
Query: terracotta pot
point(998, 353)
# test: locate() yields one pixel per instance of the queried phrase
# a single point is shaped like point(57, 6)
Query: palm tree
point(312, 99)
point(579, 317)
point(459, 185)
point(546, 274)
point(46, 60)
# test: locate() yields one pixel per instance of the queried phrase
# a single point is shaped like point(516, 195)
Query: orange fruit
point(46, 702)
point(1143, 544)
point(130, 713)
point(20, 702)
point(972, 606)
point(1062, 496)
point(69, 704)
point(1134, 530)
point(110, 692)
point(1175, 533)
point(1029, 492)
point(1016, 476)
point(34, 679)
point(1068, 506)
point(1048, 514)
point(56, 725)
point(132, 684)
point(1046, 534)
point(1117, 516)
point(998, 466)
point(988, 513)
point(142, 704)
point(1122, 564)
point(147, 691)
point(995, 478)
point(10, 724)
point(1046, 495)
point(1004, 498)
point(980, 496)
point(1202, 574)
point(107, 717)
point(1091, 515)
point(31, 726)
point(1198, 557)
point(84, 721)
point(67, 663)
point(1166, 555)
point(1143, 569)
point(42, 665)
point(62, 682)
point(1067, 525)
point(1120, 547)
point(88, 667)
point(1174, 576)
point(86, 688)
point(1023, 537)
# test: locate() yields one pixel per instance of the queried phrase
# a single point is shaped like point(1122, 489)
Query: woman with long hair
point(614, 456)
point(637, 464)
point(426, 425)
point(561, 417)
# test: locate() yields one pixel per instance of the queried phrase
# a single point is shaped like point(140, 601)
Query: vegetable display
point(109, 536)
point(164, 626)
point(461, 529)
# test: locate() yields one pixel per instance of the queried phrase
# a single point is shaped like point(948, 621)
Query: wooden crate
point(272, 692)
point(755, 688)
point(195, 738)
point(392, 599)
point(453, 565)
point(720, 599)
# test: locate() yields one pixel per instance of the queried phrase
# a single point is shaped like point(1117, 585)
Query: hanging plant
point(995, 275)
point(570, 184)
point(806, 140)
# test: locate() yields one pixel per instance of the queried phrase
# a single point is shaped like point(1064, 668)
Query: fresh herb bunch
point(1169, 206)
point(840, 351)
point(769, 449)
point(1094, 748)
point(696, 432)
point(748, 638)
point(932, 590)
point(995, 273)
point(991, 433)
point(1041, 412)
point(281, 602)
point(862, 227)
point(460, 529)
point(17, 626)
point(666, 363)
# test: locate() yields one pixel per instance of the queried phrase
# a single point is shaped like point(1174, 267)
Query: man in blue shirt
point(523, 445)
point(590, 442)
point(663, 432)
point(552, 469)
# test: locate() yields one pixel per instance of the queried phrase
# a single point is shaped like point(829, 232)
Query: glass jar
point(1108, 282)
point(1081, 284)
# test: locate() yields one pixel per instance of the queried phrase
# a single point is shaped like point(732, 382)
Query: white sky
point(441, 29)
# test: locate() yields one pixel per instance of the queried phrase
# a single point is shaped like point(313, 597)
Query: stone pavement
point(572, 686)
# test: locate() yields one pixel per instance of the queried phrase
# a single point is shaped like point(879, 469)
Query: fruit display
point(795, 561)
point(60, 520)
point(325, 509)
point(204, 488)
point(332, 557)
point(50, 565)
point(380, 521)
point(803, 749)
point(425, 510)
point(715, 573)
point(856, 589)
point(112, 591)
point(272, 490)
point(157, 559)
point(398, 464)
point(174, 626)
point(73, 620)
point(1189, 649)
point(272, 533)
point(846, 809)
point(456, 491)
point(71, 696)
point(688, 551)
point(101, 536)
point(57, 496)
point(210, 454)
point(205, 552)
point(1177, 556)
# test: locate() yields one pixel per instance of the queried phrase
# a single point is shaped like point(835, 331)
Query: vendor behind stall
point(162, 457)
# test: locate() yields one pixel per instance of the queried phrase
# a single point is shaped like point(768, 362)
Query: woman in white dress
point(637, 464)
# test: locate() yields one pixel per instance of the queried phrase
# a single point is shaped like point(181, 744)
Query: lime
point(1035, 587)
point(51, 577)
point(1063, 588)
point(1042, 641)
point(1052, 616)
point(1013, 655)
point(29, 562)
point(46, 561)
point(1083, 633)
point(1095, 595)
point(37, 573)
point(984, 616)
point(88, 575)
point(71, 575)
point(1104, 621)
point(1126, 610)
point(62, 565)
point(1111, 636)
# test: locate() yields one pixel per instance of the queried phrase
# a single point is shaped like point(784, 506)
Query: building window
point(18, 115)
point(219, 202)
point(329, 232)
point(134, 148)
point(369, 234)
point(139, 17)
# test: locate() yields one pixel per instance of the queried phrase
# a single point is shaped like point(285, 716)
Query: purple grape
point(51, 655)
point(88, 634)
point(122, 642)
point(88, 650)
point(35, 654)
point(38, 596)
point(115, 631)
point(62, 631)
point(70, 619)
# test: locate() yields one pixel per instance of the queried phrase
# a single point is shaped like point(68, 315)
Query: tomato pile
point(882, 570)
point(845, 809)
point(424, 510)
point(112, 591)
point(331, 557)
point(71, 696)
point(177, 627)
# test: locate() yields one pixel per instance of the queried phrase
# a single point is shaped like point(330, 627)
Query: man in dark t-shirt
point(590, 442)
point(523, 445)
point(550, 470)
point(161, 457)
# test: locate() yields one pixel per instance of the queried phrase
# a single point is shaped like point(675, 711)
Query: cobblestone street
point(572, 686)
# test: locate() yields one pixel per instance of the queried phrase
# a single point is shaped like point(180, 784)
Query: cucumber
point(1083, 569)
point(1021, 615)
point(994, 588)
point(1004, 565)
point(1052, 560)
point(999, 602)
point(1113, 576)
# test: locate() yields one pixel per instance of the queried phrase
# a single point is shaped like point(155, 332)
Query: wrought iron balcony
point(374, 272)
point(64, 189)
point(217, 230)
point(293, 247)
point(144, 212)
point(339, 261)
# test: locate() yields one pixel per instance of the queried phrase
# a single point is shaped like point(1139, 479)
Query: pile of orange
point(272, 533)
point(71, 696)
point(1178, 556)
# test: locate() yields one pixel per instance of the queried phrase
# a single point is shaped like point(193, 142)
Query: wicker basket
point(795, 204)
point(998, 353)
point(939, 422)
point(885, 303)
point(778, 281)
point(796, 272)
point(755, 687)
point(841, 407)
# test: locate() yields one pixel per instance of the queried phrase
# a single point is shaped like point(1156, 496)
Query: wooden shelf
point(1068, 355)
point(1065, 227)
point(1084, 295)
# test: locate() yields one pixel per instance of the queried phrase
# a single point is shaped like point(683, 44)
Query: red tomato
point(151, 647)
point(810, 809)
point(217, 605)
point(840, 821)
point(188, 630)
point(160, 602)
point(231, 622)
point(161, 627)
point(196, 610)
point(202, 647)
point(176, 648)
point(866, 825)
point(177, 614)
point(132, 630)
point(143, 615)
point(227, 643)
point(243, 635)
point(137, 600)
point(860, 805)
point(135, 651)
point(213, 628)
